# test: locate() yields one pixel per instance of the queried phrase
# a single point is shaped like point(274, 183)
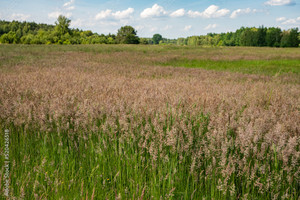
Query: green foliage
point(273, 37)
point(293, 38)
point(181, 41)
point(62, 25)
point(127, 35)
point(157, 38)
point(285, 39)
point(193, 41)
point(144, 41)
point(261, 36)
point(249, 37)
point(32, 33)
point(8, 38)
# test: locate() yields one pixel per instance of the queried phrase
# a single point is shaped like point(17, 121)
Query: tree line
point(245, 36)
point(33, 33)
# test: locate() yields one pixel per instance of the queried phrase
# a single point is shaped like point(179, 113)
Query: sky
point(170, 18)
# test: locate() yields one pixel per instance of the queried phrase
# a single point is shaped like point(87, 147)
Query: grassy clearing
point(129, 122)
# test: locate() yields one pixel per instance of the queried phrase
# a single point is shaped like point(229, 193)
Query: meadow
point(150, 122)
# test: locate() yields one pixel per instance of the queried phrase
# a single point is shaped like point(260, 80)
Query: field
point(150, 122)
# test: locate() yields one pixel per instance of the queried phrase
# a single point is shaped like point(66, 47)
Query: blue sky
point(170, 18)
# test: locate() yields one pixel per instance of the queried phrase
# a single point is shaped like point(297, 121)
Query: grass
point(103, 164)
point(249, 60)
point(48, 162)
point(143, 122)
point(266, 67)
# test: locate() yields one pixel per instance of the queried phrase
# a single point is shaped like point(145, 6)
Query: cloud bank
point(155, 11)
point(212, 11)
point(119, 15)
point(279, 2)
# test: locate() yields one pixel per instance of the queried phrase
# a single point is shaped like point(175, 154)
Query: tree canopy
point(127, 35)
point(62, 25)
point(157, 38)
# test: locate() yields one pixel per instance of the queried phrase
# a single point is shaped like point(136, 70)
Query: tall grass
point(88, 125)
point(143, 160)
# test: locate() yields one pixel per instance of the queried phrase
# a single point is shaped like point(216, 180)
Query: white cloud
point(57, 13)
point(210, 26)
point(104, 14)
point(65, 10)
point(290, 21)
point(279, 2)
point(125, 14)
point(212, 11)
point(69, 5)
point(238, 12)
point(19, 17)
point(155, 11)
point(194, 14)
point(187, 28)
point(109, 14)
point(178, 13)
point(285, 21)
point(280, 19)
point(70, 8)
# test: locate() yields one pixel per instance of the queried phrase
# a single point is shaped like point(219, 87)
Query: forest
point(16, 32)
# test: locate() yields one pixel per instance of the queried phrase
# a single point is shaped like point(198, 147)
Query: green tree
point(157, 38)
point(181, 41)
point(110, 40)
point(9, 38)
point(216, 40)
point(193, 41)
point(273, 37)
point(62, 25)
point(261, 36)
point(127, 35)
point(26, 28)
point(26, 39)
point(290, 38)
point(293, 38)
point(228, 39)
point(238, 35)
point(249, 37)
point(5, 39)
point(143, 41)
point(285, 39)
point(18, 35)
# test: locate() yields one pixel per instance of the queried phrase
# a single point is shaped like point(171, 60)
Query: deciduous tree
point(127, 35)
